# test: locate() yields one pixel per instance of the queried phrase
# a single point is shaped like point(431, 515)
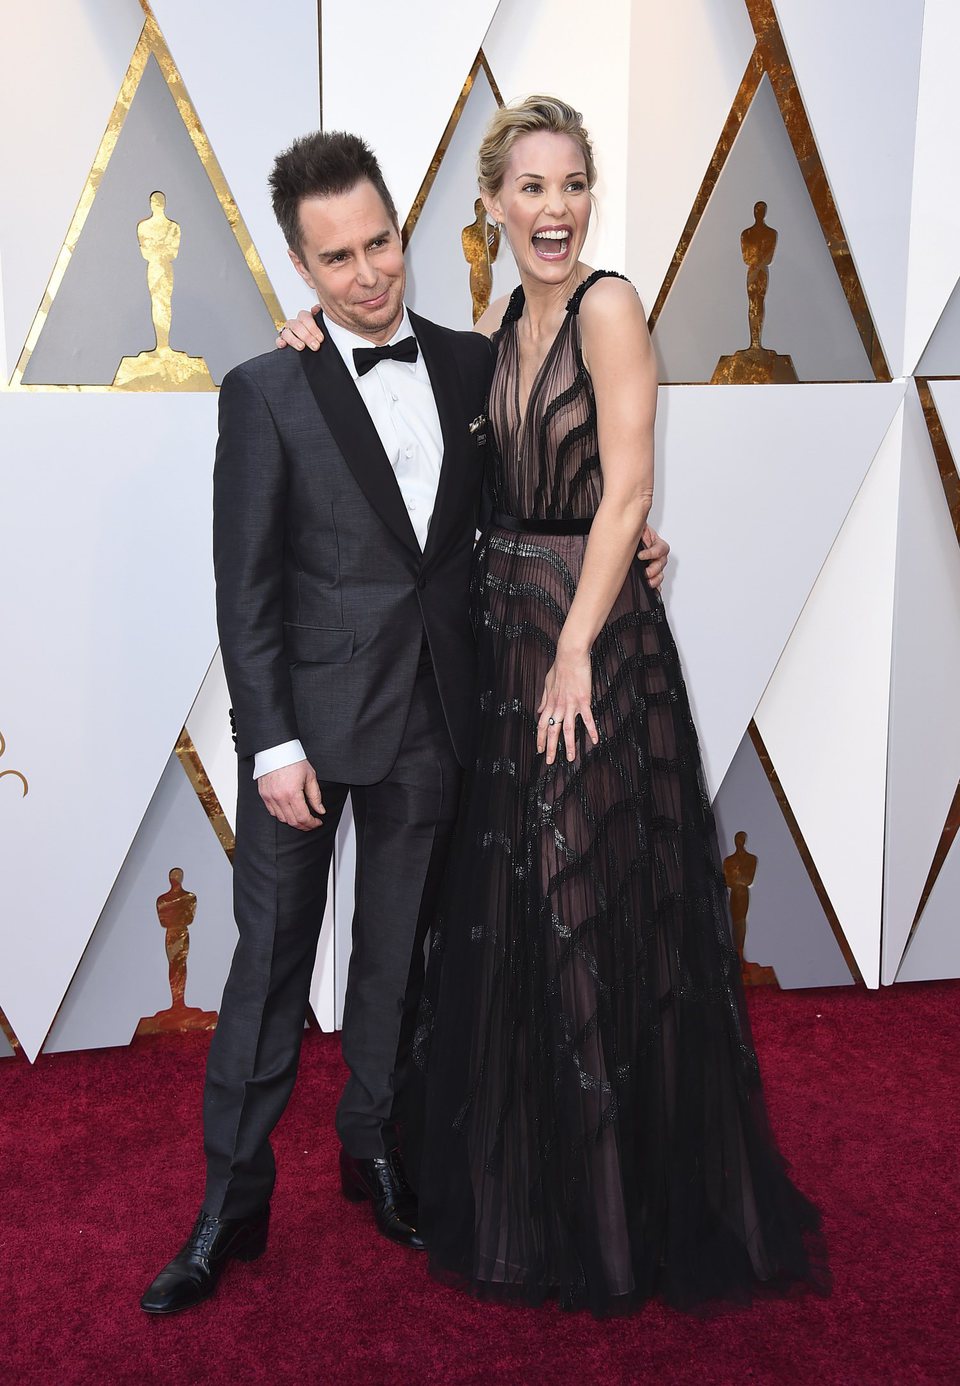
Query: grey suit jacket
point(323, 594)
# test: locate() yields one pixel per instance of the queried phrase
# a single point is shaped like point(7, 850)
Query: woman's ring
point(551, 721)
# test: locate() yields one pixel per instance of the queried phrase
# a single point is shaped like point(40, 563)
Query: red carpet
point(100, 1166)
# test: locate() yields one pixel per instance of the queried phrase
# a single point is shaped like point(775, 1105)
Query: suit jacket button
point(421, 583)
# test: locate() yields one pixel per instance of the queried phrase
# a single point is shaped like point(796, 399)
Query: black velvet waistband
point(500, 520)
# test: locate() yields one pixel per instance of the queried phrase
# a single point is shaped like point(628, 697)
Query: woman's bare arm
point(618, 354)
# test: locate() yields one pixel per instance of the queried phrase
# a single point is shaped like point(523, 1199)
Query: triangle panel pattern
point(941, 355)
point(824, 715)
point(786, 926)
point(546, 46)
point(429, 56)
point(934, 269)
point(807, 316)
point(99, 36)
point(256, 87)
point(946, 397)
point(860, 91)
point(101, 311)
point(128, 576)
point(739, 584)
point(688, 45)
point(924, 752)
point(8, 1040)
point(208, 726)
point(935, 949)
point(438, 274)
point(123, 976)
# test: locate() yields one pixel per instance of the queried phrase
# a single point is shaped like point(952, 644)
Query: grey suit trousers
point(404, 823)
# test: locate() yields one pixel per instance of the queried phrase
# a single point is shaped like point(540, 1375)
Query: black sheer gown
point(594, 1129)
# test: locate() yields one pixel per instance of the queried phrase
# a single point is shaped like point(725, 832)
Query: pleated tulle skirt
point(593, 1123)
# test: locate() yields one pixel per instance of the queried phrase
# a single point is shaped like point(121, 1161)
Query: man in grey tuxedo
point(346, 494)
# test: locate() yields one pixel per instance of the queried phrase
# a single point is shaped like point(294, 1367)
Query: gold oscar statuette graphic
point(757, 365)
point(739, 870)
point(162, 368)
point(176, 909)
point(16, 774)
point(481, 242)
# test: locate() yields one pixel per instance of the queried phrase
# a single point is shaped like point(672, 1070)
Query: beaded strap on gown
point(595, 1129)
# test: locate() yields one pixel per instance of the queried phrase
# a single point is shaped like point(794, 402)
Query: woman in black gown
point(595, 1129)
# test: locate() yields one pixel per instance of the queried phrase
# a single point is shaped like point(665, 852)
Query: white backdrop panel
point(824, 716)
point(83, 48)
point(393, 76)
point(549, 46)
point(688, 46)
point(859, 87)
point(924, 754)
point(753, 484)
point(934, 266)
point(109, 624)
point(255, 84)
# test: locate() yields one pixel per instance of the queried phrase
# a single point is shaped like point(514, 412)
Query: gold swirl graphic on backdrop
point(163, 368)
point(481, 242)
point(151, 42)
point(17, 774)
point(757, 364)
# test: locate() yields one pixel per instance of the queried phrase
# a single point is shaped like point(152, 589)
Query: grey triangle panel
point(786, 926)
point(941, 355)
point(807, 315)
point(101, 311)
point(935, 949)
point(122, 976)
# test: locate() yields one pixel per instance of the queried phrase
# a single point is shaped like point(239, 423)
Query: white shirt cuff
point(276, 757)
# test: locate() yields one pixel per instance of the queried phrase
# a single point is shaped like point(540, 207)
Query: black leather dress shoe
point(192, 1275)
point(383, 1182)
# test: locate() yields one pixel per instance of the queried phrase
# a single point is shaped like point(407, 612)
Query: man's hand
point(654, 553)
point(292, 794)
point(301, 331)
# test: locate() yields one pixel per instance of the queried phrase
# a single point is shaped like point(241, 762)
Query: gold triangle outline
point(950, 481)
point(193, 768)
point(770, 58)
point(806, 856)
point(413, 216)
point(150, 43)
point(7, 1029)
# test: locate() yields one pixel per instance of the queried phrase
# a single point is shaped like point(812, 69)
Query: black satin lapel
point(354, 433)
point(453, 423)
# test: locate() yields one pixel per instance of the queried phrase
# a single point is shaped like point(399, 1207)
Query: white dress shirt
point(399, 399)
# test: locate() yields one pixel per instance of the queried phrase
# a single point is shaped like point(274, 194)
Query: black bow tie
point(365, 358)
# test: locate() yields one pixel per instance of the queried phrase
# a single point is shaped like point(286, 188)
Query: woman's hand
point(654, 553)
point(566, 696)
point(301, 331)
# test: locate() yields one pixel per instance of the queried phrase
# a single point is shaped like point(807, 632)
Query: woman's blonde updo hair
point(528, 117)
